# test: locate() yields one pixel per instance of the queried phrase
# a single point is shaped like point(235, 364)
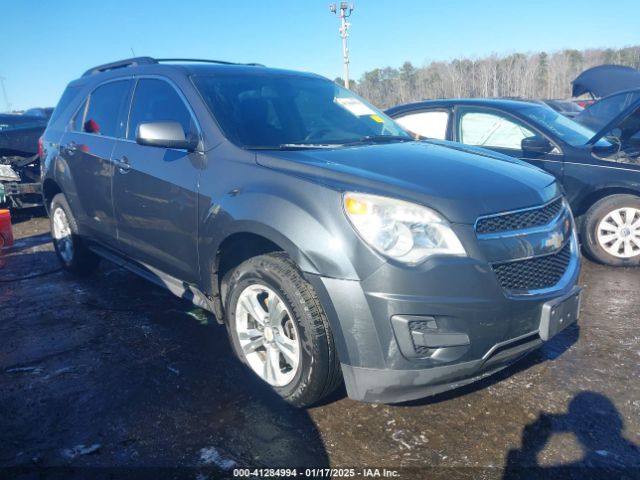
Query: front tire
point(279, 329)
point(611, 231)
point(71, 251)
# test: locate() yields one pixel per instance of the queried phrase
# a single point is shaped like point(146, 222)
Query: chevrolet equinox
point(331, 244)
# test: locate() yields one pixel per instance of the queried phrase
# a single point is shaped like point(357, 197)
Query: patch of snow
point(210, 455)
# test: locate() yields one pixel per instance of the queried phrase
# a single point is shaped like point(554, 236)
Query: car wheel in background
point(611, 231)
point(279, 329)
point(70, 250)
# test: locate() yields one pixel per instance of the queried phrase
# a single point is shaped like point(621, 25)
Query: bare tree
point(530, 75)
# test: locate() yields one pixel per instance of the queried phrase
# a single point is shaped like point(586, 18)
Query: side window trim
point(180, 94)
point(460, 110)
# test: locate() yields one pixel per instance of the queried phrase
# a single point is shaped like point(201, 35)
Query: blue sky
point(47, 43)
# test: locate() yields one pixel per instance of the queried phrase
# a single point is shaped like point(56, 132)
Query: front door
point(156, 189)
point(498, 131)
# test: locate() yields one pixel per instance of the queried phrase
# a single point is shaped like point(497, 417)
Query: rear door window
point(103, 109)
point(155, 100)
point(431, 124)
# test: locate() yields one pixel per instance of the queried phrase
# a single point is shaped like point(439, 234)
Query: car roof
point(147, 65)
point(502, 103)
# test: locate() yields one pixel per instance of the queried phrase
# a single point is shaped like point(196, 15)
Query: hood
point(604, 80)
point(627, 121)
point(459, 182)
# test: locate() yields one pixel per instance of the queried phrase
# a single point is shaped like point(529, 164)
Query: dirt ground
point(109, 376)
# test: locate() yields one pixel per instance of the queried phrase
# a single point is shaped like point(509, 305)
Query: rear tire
point(71, 251)
point(611, 231)
point(270, 309)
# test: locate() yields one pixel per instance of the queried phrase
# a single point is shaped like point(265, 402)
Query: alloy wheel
point(267, 335)
point(62, 236)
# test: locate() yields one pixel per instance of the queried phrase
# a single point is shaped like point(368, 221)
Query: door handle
point(123, 165)
point(71, 148)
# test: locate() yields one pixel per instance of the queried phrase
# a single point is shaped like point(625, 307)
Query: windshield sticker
point(376, 118)
point(355, 106)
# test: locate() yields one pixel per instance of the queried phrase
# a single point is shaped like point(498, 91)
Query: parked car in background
point(568, 108)
point(328, 241)
point(600, 171)
point(605, 80)
point(19, 159)
point(603, 111)
point(39, 112)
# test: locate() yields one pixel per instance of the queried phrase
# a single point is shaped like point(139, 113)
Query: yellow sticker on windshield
point(376, 118)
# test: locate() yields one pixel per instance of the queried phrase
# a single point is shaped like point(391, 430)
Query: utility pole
point(344, 33)
point(4, 93)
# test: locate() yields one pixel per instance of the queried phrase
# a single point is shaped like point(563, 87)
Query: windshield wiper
point(379, 139)
point(294, 146)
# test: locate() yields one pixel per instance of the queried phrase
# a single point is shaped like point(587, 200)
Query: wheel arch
point(49, 190)
point(591, 199)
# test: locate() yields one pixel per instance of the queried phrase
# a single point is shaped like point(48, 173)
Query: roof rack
point(132, 62)
point(129, 62)
point(200, 60)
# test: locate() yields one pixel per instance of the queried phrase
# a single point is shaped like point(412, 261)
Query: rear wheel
point(279, 329)
point(611, 231)
point(70, 249)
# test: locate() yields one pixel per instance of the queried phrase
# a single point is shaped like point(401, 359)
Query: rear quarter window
point(68, 97)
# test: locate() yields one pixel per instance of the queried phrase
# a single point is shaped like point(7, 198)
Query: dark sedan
point(600, 171)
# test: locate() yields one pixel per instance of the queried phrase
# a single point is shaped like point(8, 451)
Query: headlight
point(401, 230)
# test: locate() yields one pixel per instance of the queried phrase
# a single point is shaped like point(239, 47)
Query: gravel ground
point(109, 376)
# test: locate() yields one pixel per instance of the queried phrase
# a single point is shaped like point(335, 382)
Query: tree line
point(530, 75)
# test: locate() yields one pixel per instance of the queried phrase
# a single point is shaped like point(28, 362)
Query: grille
point(520, 220)
point(534, 273)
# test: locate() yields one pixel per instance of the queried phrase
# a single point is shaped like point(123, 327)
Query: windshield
point(564, 128)
point(288, 111)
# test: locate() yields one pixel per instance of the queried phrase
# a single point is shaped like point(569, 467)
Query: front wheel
point(279, 329)
point(611, 231)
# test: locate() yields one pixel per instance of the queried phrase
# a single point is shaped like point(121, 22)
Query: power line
point(345, 11)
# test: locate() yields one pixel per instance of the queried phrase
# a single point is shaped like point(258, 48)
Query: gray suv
point(331, 244)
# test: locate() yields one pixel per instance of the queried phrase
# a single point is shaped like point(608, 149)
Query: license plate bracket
point(558, 314)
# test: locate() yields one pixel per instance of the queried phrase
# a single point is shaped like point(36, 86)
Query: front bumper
point(406, 333)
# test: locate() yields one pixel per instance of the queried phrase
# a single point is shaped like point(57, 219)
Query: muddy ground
point(111, 377)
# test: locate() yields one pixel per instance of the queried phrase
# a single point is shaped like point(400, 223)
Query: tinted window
point(66, 99)
point(270, 111)
point(105, 105)
point(428, 124)
point(157, 101)
point(492, 130)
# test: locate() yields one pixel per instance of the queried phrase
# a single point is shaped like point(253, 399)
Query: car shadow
point(143, 381)
point(605, 455)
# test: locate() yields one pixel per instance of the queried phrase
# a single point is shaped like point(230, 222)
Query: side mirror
point(536, 144)
point(165, 134)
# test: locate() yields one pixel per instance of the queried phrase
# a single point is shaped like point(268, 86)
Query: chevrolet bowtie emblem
point(555, 240)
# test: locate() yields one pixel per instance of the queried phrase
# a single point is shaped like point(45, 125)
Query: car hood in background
point(454, 181)
point(604, 80)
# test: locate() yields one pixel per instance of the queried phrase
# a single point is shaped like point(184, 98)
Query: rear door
point(155, 189)
point(86, 148)
point(503, 133)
